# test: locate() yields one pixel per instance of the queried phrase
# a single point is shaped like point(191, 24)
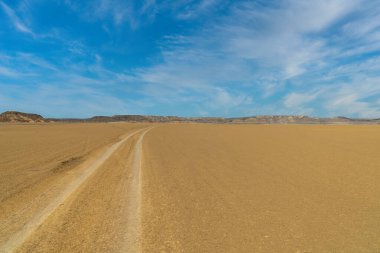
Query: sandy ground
point(30, 153)
point(51, 183)
point(189, 188)
point(261, 188)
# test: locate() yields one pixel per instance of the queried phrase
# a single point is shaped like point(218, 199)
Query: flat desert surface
point(123, 187)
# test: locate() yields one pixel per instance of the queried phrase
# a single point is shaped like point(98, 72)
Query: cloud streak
point(223, 58)
point(15, 20)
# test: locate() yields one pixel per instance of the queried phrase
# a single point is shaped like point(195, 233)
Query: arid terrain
point(186, 187)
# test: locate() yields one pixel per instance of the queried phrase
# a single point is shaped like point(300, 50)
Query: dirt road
point(207, 188)
point(90, 198)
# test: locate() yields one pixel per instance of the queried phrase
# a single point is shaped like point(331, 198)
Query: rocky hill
point(21, 117)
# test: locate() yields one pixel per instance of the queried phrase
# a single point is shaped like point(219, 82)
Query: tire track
point(22, 235)
point(133, 236)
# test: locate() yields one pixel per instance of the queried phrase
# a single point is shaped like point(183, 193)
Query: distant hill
point(288, 119)
point(268, 119)
point(21, 117)
point(144, 118)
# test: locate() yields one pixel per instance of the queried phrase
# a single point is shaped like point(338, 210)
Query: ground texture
point(189, 188)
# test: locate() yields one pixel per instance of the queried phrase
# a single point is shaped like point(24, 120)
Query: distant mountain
point(268, 119)
point(21, 117)
point(144, 118)
point(286, 119)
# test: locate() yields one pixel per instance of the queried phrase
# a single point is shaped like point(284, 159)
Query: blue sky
point(67, 58)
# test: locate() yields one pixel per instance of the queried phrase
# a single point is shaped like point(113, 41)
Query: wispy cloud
point(15, 20)
point(120, 12)
point(296, 48)
point(7, 72)
point(193, 10)
point(354, 98)
point(295, 100)
point(53, 90)
point(225, 58)
point(250, 45)
point(285, 37)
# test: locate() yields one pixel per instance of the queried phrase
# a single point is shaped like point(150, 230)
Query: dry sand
point(191, 188)
point(31, 192)
point(261, 188)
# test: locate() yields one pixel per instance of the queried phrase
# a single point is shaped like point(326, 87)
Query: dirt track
point(25, 215)
point(205, 188)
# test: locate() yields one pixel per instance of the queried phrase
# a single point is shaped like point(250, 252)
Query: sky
point(68, 58)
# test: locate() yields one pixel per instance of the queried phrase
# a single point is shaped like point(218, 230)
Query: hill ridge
point(21, 117)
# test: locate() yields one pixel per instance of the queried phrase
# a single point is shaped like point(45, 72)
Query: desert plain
point(134, 187)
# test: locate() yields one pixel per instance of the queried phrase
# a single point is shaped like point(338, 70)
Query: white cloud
point(294, 100)
point(291, 57)
point(16, 21)
point(120, 12)
point(55, 100)
point(15, 73)
point(270, 38)
point(22, 65)
point(8, 72)
point(193, 10)
point(246, 46)
point(224, 102)
point(352, 98)
point(282, 37)
point(367, 22)
point(37, 61)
